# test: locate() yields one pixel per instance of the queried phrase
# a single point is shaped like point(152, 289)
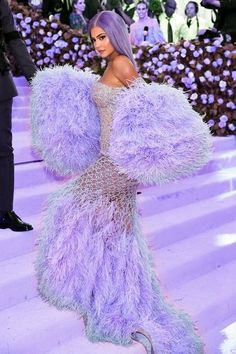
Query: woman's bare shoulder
point(124, 69)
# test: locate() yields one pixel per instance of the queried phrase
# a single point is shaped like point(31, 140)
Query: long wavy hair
point(116, 30)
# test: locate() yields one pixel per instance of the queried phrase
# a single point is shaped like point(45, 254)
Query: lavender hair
point(115, 28)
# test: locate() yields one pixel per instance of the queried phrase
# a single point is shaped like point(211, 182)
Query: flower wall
point(205, 70)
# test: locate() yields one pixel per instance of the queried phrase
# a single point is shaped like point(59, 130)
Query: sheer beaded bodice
point(105, 98)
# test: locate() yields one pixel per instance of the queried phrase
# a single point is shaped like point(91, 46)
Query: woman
point(77, 19)
point(146, 30)
point(92, 255)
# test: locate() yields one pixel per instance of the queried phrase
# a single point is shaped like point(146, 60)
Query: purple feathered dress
point(93, 258)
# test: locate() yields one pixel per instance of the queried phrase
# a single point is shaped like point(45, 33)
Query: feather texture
point(157, 137)
point(65, 121)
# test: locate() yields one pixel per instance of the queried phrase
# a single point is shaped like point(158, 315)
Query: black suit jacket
point(18, 49)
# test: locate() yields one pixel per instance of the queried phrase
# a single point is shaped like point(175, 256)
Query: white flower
point(194, 96)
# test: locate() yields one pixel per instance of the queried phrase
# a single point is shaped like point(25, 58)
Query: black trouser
point(6, 156)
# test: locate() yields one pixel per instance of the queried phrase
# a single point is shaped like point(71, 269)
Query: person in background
point(11, 39)
point(77, 19)
point(193, 24)
point(65, 9)
point(146, 30)
point(170, 22)
point(226, 16)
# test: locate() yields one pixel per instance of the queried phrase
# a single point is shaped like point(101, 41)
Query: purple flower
point(203, 96)
point(173, 64)
point(170, 81)
point(210, 49)
point(187, 70)
point(211, 98)
point(39, 62)
point(54, 25)
point(196, 54)
point(75, 39)
point(207, 61)
point(219, 61)
point(60, 43)
point(171, 49)
point(230, 105)
point(186, 44)
point(19, 15)
point(230, 92)
point(180, 66)
point(66, 56)
point(50, 53)
point(221, 124)
point(41, 31)
point(231, 126)
point(233, 73)
point(217, 78)
point(218, 42)
point(222, 84)
point(192, 47)
point(154, 60)
point(28, 41)
point(191, 75)
point(214, 64)
point(227, 53)
point(208, 74)
point(211, 122)
point(192, 62)
point(226, 72)
point(28, 19)
point(202, 79)
point(35, 24)
point(55, 37)
point(194, 96)
point(183, 52)
point(46, 60)
point(223, 118)
point(80, 63)
point(220, 101)
point(43, 23)
point(199, 66)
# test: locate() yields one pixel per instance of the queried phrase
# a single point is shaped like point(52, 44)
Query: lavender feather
point(65, 121)
point(157, 137)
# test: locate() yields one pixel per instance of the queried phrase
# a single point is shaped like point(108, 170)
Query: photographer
point(226, 16)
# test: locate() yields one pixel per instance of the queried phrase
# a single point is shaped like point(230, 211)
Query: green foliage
point(156, 6)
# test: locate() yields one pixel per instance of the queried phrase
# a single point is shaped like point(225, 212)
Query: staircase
point(190, 226)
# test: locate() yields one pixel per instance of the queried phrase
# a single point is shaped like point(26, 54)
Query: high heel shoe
point(144, 339)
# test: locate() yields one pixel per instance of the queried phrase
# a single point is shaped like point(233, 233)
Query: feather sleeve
point(157, 137)
point(65, 121)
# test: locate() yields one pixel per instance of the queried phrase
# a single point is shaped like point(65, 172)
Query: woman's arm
point(124, 70)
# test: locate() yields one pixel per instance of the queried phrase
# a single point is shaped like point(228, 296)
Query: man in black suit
point(9, 38)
